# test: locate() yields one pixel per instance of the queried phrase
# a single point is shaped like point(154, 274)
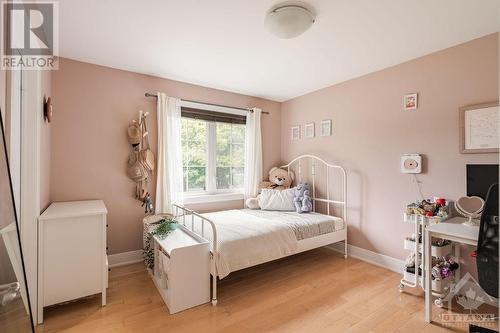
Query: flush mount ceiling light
point(289, 20)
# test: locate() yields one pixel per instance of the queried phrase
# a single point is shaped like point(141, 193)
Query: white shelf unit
point(187, 282)
point(440, 288)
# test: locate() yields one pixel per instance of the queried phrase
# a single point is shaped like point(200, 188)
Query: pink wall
point(93, 105)
point(371, 131)
point(89, 150)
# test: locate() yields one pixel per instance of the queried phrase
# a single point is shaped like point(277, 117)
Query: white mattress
point(250, 237)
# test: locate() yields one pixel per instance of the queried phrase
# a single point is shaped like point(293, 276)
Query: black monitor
point(480, 177)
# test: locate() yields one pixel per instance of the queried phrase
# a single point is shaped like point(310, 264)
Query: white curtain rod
point(217, 105)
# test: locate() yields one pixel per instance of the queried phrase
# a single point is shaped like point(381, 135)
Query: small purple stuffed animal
point(302, 199)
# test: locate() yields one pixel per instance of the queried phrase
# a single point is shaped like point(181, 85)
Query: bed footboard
point(186, 217)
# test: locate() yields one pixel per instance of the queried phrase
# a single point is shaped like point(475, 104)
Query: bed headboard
point(314, 162)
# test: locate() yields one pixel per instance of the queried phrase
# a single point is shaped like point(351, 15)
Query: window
point(213, 156)
point(230, 156)
point(194, 154)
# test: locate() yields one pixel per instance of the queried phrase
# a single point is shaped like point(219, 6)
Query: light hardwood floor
point(316, 291)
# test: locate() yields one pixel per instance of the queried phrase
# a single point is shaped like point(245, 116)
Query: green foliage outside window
point(194, 154)
point(229, 155)
point(230, 159)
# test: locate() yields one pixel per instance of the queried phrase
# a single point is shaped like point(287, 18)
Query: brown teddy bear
point(279, 179)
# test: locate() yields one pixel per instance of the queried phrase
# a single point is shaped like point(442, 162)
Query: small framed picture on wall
point(326, 127)
point(309, 131)
point(410, 101)
point(295, 132)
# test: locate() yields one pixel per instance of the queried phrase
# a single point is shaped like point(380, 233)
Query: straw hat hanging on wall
point(141, 161)
point(134, 134)
point(147, 157)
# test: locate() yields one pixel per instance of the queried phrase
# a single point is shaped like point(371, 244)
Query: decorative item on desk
point(471, 208)
point(440, 201)
point(434, 212)
point(165, 227)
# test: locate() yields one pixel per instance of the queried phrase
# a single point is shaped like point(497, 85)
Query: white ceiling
point(223, 44)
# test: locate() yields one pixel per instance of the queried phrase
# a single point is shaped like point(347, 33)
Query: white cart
point(440, 288)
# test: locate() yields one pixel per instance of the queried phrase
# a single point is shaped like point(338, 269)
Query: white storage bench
point(182, 269)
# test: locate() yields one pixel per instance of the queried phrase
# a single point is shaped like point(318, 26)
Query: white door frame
point(14, 139)
point(31, 118)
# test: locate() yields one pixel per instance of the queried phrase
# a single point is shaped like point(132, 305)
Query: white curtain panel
point(169, 169)
point(253, 154)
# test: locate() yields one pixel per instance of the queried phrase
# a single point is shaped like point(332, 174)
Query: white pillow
point(277, 199)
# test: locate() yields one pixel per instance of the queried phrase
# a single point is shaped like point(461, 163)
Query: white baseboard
point(124, 258)
point(390, 263)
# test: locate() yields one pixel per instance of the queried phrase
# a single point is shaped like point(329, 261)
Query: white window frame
point(212, 194)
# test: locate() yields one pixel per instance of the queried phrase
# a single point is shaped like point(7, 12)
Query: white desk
point(453, 230)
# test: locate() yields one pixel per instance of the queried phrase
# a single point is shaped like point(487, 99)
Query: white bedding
point(305, 225)
point(250, 237)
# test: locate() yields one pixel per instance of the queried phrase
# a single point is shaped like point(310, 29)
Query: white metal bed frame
point(305, 244)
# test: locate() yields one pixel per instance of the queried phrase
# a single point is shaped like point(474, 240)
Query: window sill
point(206, 198)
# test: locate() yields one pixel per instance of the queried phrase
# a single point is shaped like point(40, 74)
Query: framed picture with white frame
point(410, 101)
point(295, 132)
point(326, 127)
point(309, 131)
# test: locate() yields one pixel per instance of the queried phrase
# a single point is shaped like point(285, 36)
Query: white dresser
point(72, 259)
point(183, 276)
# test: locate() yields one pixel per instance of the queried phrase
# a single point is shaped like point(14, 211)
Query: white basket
point(438, 286)
point(437, 251)
point(417, 218)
